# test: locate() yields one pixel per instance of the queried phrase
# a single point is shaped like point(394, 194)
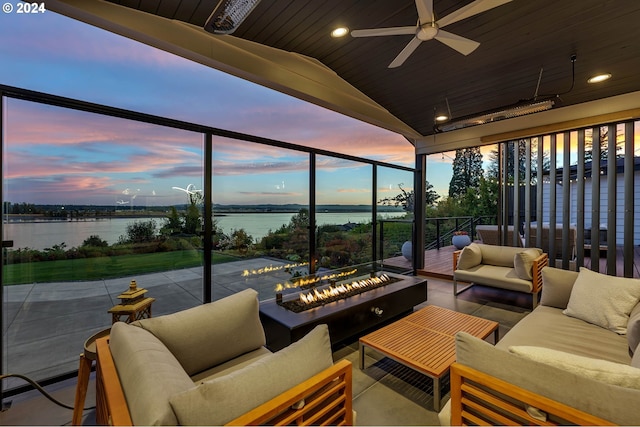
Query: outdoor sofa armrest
point(536, 271)
point(111, 405)
point(456, 255)
point(326, 397)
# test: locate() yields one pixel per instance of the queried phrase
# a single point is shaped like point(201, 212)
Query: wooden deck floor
point(439, 263)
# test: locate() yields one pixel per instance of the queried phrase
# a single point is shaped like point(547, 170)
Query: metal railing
point(438, 232)
point(446, 226)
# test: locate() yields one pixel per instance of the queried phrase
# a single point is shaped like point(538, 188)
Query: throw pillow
point(523, 262)
point(470, 256)
point(603, 300)
point(596, 369)
point(223, 399)
point(633, 329)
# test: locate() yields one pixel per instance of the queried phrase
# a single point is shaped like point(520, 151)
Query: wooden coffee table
point(425, 341)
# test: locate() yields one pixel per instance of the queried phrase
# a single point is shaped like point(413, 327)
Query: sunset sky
point(59, 156)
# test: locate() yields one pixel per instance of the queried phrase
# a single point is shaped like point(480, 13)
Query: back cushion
point(556, 286)
point(501, 256)
point(470, 256)
point(149, 374)
point(210, 334)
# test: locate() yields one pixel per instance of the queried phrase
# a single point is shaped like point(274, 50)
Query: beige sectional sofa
point(208, 366)
point(574, 359)
point(505, 267)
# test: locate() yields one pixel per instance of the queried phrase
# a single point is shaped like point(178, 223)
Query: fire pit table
point(347, 317)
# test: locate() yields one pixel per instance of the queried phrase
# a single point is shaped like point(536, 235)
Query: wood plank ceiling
point(517, 41)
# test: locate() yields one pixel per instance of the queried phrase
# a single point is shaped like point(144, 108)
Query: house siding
point(604, 213)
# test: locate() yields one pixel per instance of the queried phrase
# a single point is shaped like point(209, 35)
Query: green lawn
point(104, 267)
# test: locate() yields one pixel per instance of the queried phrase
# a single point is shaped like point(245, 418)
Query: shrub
point(95, 241)
point(139, 232)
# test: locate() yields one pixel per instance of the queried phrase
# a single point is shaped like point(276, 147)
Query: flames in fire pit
point(334, 292)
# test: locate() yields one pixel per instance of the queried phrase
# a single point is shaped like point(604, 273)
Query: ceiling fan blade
point(391, 31)
point(425, 11)
point(406, 52)
point(461, 44)
point(469, 10)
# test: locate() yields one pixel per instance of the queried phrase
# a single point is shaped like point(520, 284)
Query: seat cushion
point(491, 275)
point(218, 401)
point(210, 334)
point(548, 327)
point(149, 374)
point(230, 366)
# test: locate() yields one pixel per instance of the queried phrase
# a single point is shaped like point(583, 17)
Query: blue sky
point(54, 155)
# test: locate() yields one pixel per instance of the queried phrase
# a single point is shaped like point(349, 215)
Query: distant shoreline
point(35, 218)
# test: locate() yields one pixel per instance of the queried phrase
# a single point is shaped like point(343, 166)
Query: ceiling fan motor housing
point(427, 32)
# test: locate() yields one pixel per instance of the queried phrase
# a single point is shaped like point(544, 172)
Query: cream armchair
point(208, 366)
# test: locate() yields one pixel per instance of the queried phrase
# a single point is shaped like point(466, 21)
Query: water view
point(45, 234)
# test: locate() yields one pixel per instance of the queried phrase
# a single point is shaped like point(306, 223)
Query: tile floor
point(384, 393)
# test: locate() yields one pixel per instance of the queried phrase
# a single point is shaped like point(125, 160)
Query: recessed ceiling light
point(599, 78)
point(442, 118)
point(340, 32)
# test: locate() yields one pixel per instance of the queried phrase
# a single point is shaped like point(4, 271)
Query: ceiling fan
point(429, 28)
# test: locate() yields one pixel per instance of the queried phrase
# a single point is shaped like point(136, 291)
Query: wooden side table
point(84, 371)
point(132, 312)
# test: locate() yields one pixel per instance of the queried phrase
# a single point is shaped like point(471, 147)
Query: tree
point(467, 171)
point(481, 201)
point(192, 222)
point(406, 198)
point(139, 232)
point(240, 240)
point(604, 137)
point(300, 220)
point(173, 224)
point(493, 171)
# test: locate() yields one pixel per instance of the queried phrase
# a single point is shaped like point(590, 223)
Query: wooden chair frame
point(327, 398)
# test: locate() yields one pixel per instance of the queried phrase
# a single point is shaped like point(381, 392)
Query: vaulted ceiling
point(525, 50)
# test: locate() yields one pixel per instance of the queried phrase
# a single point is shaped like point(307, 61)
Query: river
point(45, 234)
